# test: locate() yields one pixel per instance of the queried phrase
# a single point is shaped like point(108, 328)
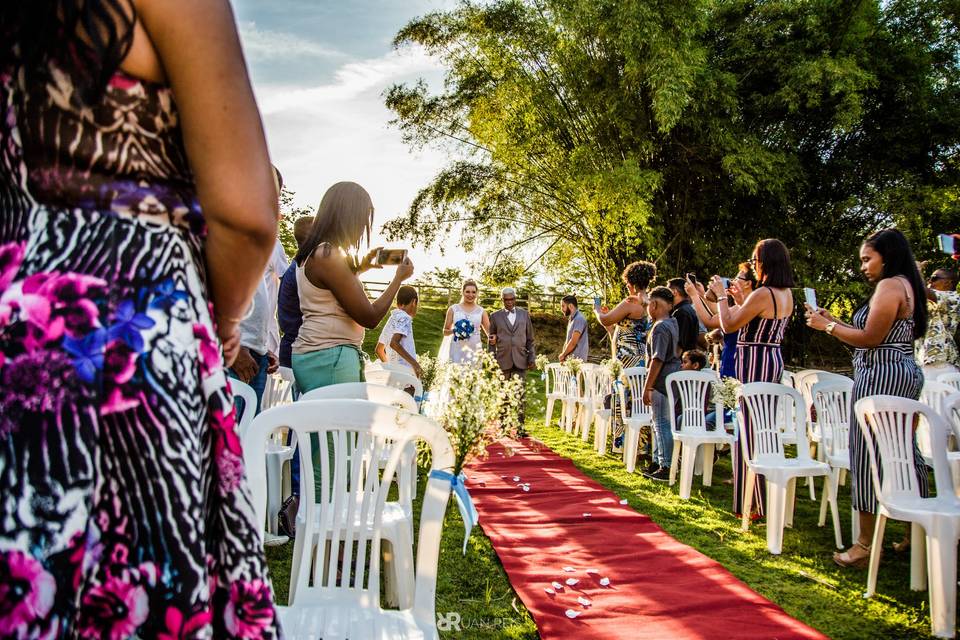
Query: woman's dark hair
point(898, 260)
point(639, 274)
point(773, 264)
point(344, 217)
point(88, 39)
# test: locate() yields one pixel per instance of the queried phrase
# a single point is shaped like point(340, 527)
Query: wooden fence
point(433, 295)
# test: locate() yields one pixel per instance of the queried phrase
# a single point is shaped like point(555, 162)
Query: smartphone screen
point(948, 244)
point(596, 301)
point(388, 257)
point(692, 277)
point(726, 282)
point(811, 297)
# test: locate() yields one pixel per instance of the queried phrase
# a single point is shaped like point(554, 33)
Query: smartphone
point(811, 297)
point(725, 281)
point(596, 301)
point(692, 277)
point(948, 243)
point(391, 257)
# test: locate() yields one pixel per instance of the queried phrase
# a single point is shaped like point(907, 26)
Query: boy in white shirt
point(397, 334)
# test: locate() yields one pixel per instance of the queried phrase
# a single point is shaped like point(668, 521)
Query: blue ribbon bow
point(464, 502)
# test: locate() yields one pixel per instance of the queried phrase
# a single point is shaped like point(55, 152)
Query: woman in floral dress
point(133, 174)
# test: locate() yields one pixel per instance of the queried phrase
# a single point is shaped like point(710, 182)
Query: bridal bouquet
point(463, 329)
point(481, 406)
point(725, 392)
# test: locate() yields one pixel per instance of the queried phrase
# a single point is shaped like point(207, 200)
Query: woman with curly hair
point(628, 323)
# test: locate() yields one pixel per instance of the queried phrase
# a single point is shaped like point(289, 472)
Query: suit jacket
point(514, 348)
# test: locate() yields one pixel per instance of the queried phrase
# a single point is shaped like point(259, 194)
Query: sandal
point(844, 560)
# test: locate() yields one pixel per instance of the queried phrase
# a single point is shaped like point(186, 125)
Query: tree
point(504, 272)
point(682, 131)
point(289, 213)
point(446, 278)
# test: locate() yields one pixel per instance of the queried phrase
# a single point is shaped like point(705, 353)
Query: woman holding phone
point(882, 331)
point(336, 310)
point(760, 322)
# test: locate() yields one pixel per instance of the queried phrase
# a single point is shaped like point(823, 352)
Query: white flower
point(725, 392)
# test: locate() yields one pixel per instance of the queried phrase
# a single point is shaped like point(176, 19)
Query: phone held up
point(948, 244)
point(811, 298)
point(692, 277)
point(390, 257)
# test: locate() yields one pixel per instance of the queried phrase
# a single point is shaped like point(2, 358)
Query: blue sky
point(319, 69)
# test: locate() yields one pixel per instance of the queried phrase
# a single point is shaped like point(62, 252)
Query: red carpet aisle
point(658, 587)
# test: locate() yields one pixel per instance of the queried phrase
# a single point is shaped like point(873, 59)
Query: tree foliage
point(682, 131)
point(289, 213)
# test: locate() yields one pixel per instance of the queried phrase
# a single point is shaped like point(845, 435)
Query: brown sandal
point(844, 560)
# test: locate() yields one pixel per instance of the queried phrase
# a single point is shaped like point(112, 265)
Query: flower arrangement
point(573, 365)
point(615, 367)
point(463, 329)
point(725, 392)
point(541, 362)
point(480, 406)
point(429, 370)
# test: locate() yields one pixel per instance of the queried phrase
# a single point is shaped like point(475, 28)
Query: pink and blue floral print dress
point(123, 506)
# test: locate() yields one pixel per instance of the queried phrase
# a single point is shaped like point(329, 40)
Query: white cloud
point(265, 44)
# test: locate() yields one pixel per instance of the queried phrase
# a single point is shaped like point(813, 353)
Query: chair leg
point(918, 565)
point(831, 491)
point(776, 512)
point(404, 571)
point(875, 555)
point(548, 416)
point(942, 565)
point(813, 489)
point(686, 470)
point(790, 501)
point(708, 450)
point(748, 499)
point(674, 457)
point(823, 498)
point(587, 421)
point(630, 448)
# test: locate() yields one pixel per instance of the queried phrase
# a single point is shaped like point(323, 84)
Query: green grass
point(803, 579)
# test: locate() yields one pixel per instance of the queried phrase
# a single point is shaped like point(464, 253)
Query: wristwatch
point(829, 328)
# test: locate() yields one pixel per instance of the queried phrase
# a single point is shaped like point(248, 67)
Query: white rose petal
point(526, 488)
point(557, 586)
point(605, 582)
point(571, 613)
point(593, 571)
point(516, 478)
point(550, 591)
point(586, 515)
point(572, 581)
point(584, 601)
point(624, 502)
point(569, 569)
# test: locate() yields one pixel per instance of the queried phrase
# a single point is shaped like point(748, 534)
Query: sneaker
point(661, 475)
point(651, 469)
point(271, 540)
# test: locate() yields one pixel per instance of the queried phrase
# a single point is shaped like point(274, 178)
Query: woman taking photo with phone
point(761, 321)
point(882, 331)
point(336, 310)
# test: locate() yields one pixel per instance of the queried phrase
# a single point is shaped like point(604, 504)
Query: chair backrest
point(932, 395)
point(831, 398)
point(287, 374)
point(277, 391)
point(558, 378)
point(693, 388)
point(396, 379)
point(804, 381)
point(378, 393)
point(244, 391)
point(350, 430)
point(950, 410)
point(633, 380)
point(773, 410)
point(788, 378)
point(952, 379)
point(887, 424)
point(599, 382)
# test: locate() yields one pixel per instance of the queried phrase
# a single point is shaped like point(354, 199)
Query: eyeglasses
point(510, 299)
point(935, 278)
point(745, 279)
point(752, 262)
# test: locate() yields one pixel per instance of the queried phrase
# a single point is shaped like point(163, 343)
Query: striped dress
point(758, 360)
point(887, 369)
point(631, 351)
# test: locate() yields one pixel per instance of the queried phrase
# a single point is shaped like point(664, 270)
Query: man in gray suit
point(511, 335)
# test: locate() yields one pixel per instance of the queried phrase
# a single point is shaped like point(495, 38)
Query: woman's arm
point(448, 322)
point(485, 323)
point(709, 320)
point(197, 43)
point(331, 271)
point(618, 313)
point(884, 309)
point(733, 318)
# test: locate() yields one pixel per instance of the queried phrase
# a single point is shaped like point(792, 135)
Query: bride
point(461, 328)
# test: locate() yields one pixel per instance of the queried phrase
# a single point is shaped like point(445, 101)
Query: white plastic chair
point(407, 473)
point(557, 388)
point(600, 416)
point(950, 410)
point(887, 424)
point(245, 392)
point(641, 415)
point(339, 597)
point(831, 398)
point(398, 380)
point(933, 394)
point(592, 389)
point(693, 388)
point(952, 379)
point(766, 405)
point(278, 390)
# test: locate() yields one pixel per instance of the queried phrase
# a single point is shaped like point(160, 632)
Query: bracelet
point(226, 319)
point(829, 328)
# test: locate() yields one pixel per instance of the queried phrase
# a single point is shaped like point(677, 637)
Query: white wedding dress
point(462, 351)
